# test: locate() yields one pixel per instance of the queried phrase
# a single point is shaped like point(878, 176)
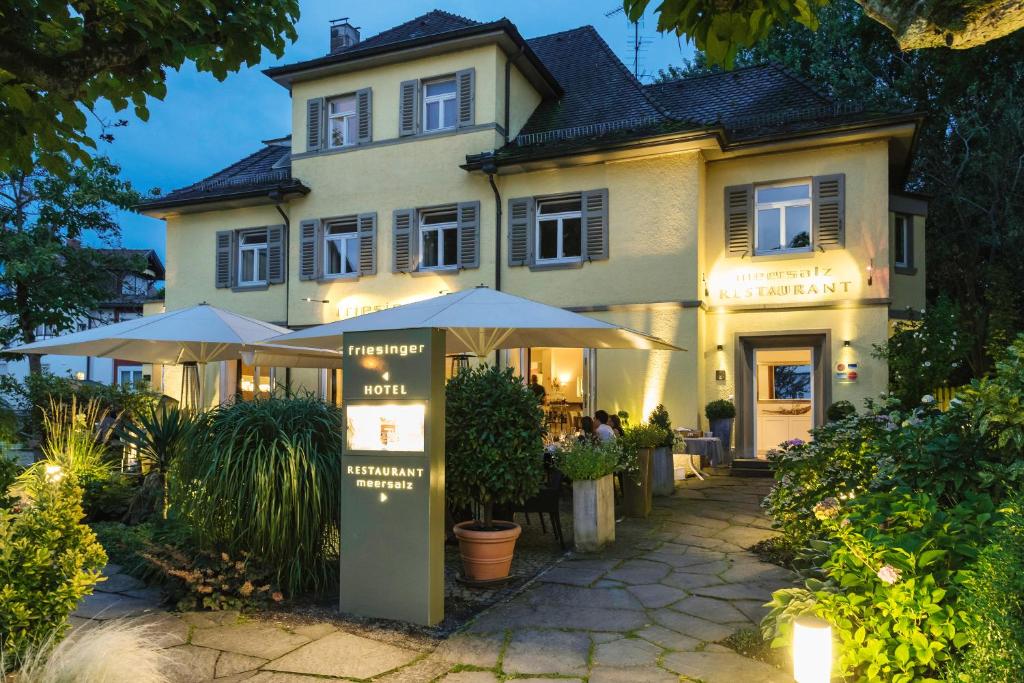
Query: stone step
point(750, 467)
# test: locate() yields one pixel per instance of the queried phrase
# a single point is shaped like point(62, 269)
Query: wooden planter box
point(663, 471)
point(636, 488)
point(593, 513)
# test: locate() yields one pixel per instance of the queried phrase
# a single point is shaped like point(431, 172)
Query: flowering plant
point(896, 563)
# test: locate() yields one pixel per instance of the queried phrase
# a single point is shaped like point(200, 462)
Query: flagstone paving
point(653, 607)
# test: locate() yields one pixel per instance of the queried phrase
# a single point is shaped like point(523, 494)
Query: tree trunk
point(28, 330)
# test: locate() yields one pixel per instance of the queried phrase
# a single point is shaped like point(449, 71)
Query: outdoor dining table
point(710, 450)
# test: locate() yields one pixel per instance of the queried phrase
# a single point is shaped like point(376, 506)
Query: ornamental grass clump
point(263, 477)
point(494, 443)
point(587, 460)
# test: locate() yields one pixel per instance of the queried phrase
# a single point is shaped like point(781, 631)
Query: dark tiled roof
point(732, 95)
point(429, 24)
point(598, 87)
point(265, 170)
point(151, 258)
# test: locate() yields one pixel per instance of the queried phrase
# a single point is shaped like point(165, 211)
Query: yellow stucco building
point(744, 216)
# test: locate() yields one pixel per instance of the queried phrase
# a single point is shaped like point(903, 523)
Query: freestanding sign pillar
point(392, 475)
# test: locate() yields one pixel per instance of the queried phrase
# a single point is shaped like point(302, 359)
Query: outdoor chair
point(546, 502)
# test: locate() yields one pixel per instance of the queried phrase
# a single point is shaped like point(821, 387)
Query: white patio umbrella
point(196, 335)
point(481, 320)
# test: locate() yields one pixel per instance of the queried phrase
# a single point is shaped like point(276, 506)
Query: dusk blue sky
point(204, 125)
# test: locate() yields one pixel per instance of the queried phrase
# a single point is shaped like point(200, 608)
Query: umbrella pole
point(201, 372)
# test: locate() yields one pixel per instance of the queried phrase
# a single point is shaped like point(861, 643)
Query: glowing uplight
point(54, 473)
point(812, 650)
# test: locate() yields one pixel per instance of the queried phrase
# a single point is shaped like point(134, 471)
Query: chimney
point(343, 35)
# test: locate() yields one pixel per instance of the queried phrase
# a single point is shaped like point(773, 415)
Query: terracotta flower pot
point(487, 555)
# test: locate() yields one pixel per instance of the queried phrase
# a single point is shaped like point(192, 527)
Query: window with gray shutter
point(829, 211)
point(405, 228)
point(277, 254)
point(520, 231)
point(408, 108)
point(225, 259)
point(469, 234)
point(595, 224)
point(465, 88)
point(739, 220)
point(314, 124)
point(367, 243)
point(309, 248)
point(364, 116)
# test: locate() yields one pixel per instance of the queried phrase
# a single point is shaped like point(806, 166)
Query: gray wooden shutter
point(367, 226)
point(309, 249)
point(405, 234)
point(408, 108)
point(315, 124)
point(520, 231)
point(277, 254)
point(595, 224)
point(465, 88)
point(469, 234)
point(225, 258)
point(739, 220)
point(364, 116)
point(828, 205)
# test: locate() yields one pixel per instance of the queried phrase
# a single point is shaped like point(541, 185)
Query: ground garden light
point(812, 650)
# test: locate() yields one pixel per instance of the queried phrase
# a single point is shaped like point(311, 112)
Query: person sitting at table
point(539, 391)
point(603, 432)
point(586, 429)
point(616, 424)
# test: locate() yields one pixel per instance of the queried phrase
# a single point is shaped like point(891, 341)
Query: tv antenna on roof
point(638, 41)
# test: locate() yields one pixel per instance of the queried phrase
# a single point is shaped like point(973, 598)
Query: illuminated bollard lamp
point(812, 650)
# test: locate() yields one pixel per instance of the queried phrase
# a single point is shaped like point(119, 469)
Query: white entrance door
point(783, 396)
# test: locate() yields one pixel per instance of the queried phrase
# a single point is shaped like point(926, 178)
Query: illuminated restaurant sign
point(392, 475)
point(812, 282)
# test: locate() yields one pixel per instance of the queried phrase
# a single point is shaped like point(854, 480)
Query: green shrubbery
point(888, 579)
point(993, 604)
point(720, 409)
point(493, 440)
point(893, 509)
point(263, 477)
point(583, 460)
point(659, 418)
point(49, 560)
point(35, 392)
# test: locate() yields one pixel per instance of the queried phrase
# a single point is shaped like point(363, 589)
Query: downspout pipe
point(277, 199)
point(490, 168)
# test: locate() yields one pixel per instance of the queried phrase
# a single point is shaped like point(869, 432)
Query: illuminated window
point(783, 218)
point(439, 105)
point(439, 239)
point(252, 258)
point(341, 247)
point(341, 121)
point(559, 230)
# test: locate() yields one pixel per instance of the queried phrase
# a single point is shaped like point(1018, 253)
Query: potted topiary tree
point(590, 466)
point(638, 444)
point(494, 455)
point(720, 415)
point(663, 471)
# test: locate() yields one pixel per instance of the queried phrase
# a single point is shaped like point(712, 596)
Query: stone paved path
point(651, 608)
